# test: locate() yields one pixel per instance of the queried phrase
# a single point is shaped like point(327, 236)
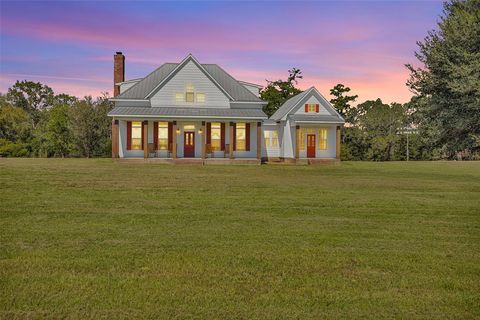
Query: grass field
point(96, 239)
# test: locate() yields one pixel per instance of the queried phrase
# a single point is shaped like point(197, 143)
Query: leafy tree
point(277, 92)
point(381, 124)
point(447, 87)
point(58, 132)
point(341, 102)
point(91, 126)
point(14, 123)
point(33, 97)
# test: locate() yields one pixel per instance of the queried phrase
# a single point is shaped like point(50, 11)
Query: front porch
point(186, 140)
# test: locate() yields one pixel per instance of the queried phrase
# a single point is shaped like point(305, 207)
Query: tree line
point(36, 122)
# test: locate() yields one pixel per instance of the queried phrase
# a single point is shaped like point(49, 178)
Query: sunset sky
point(70, 45)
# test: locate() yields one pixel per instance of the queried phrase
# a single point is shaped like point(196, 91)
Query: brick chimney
point(118, 72)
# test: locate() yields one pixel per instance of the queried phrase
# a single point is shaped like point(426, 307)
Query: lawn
point(96, 239)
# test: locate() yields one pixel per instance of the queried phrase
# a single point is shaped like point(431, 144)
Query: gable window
point(241, 136)
point(201, 97)
point(136, 135)
point(311, 107)
point(216, 136)
point(271, 138)
point(322, 139)
point(179, 97)
point(162, 135)
point(189, 94)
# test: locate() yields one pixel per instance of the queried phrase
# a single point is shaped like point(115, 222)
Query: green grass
point(96, 239)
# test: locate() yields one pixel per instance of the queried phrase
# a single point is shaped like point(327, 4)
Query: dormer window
point(190, 96)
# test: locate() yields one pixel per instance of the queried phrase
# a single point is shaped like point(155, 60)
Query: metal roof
point(179, 112)
point(291, 105)
point(316, 118)
point(287, 106)
point(230, 85)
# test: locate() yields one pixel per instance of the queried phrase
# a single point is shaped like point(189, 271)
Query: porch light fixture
point(200, 131)
point(178, 131)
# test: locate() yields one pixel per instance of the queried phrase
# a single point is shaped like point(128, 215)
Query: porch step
point(188, 161)
point(329, 161)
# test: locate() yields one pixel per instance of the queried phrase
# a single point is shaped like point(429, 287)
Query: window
point(136, 135)
point(201, 97)
point(302, 139)
point(189, 94)
point(162, 135)
point(271, 138)
point(322, 139)
point(312, 107)
point(215, 136)
point(241, 137)
point(189, 127)
point(179, 97)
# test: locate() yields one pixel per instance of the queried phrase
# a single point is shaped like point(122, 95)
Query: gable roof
point(143, 89)
point(292, 104)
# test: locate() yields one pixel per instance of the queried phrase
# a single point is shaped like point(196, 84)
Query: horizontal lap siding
point(190, 74)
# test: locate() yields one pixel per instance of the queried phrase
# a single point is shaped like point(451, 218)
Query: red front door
point(189, 144)
point(310, 146)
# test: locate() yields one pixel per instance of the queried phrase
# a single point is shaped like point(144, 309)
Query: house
point(200, 113)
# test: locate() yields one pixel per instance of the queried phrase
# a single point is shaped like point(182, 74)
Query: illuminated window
point(179, 97)
point(312, 107)
point(322, 139)
point(162, 135)
point(241, 137)
point(136, 135)
point(302, 139)
point(201, 97)
point(215, 136)
point(189, 94)
point(271, 138)
point(189, 127)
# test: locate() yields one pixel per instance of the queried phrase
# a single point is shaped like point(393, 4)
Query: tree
point(381, 124)
point(91, 126)
point(277, 92)
point(33, 97)
point(15, 131)
point(58, 132)
point(341, 102)
point(447, 86)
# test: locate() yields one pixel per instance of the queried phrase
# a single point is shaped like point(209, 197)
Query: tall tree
point(447, 86)
point(33, 97)
point(277, 92)
point(59, 132)
point(341, 102)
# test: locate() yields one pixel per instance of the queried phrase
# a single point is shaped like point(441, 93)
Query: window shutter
point(306, 107)
point(142, 134)
point(247, 137)
point(209, 132)
point(222, 136)
point(170, 136)
point(155, 135)
point(234, 138)
point(317, 107)
point(129, 135)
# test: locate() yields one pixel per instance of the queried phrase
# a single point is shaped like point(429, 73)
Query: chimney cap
point(118, 52)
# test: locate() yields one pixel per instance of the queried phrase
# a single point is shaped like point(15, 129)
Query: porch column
point(231, 140)
point(203, 140)
point(259, 140)
point(297, 142)
point(174, 140)
point(338, 142)
point(115, 146)
point(145, 139)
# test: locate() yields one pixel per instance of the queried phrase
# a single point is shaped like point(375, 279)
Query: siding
point(312, 99)
point(190, 74)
